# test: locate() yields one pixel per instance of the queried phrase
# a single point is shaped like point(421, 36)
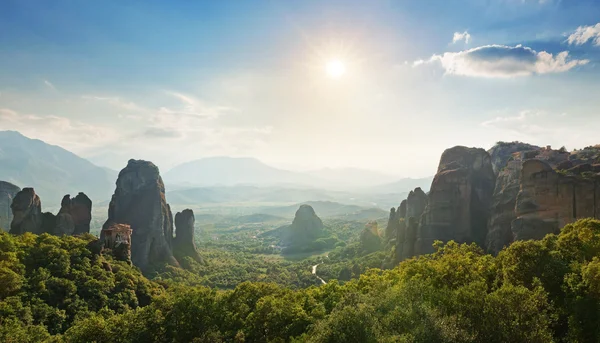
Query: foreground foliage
point(533, 291)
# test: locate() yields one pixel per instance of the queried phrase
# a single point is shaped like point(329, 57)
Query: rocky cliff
point(507, 160)
point(27, 212)
point(370, 240)
point(305, 226)
point(548, 200)
point(184, 242)
point(8, 191)
point(512, 192)
point(502, 152)
point(139, 201)
point(407, 217)
point(459, 200)
point(73, 217)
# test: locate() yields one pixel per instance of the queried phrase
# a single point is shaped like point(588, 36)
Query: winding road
point(314, 271)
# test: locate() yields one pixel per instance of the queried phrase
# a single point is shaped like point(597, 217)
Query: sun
point(335, 69)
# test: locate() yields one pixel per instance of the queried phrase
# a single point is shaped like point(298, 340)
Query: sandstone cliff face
point(370, 240)
point(503, 227)
point(64, 221)
point(507, 160)
point(408, 216)
point(81, 212)
point(184, 242)
point(8, 191)
point(459, 200)
point(27, 212)
point(139, 201)
point(391, 230)
point(548, 200)
point(307, 221)
point(305, 227)
point(502, 152)
point(416, 203)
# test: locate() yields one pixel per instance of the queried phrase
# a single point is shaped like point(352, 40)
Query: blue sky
point(172, 81)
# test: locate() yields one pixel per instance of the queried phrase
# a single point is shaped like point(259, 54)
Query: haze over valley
point(299, 171)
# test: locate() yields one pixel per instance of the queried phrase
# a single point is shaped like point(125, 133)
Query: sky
point(174, 81)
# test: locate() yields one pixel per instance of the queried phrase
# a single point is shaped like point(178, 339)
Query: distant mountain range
point(54, 171)
point(230, 171)
point(51, 170)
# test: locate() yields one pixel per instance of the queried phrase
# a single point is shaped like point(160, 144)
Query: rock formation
point(184, 242)
point(502, 152)
point(391, 230)
point(503, 227)
point(139, 201)
point(508, 183)
point(8, 191)
point(64, 221)
point(81, 212)
point(409, 215)
point(459, 200)
point(415, 203)
point(402, 209)
point(27, 212)
point(548, 200)
point(73, 217)
point(306, 224)
point(370, 240)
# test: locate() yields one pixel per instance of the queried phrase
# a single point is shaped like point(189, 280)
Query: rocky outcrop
point(391, 230)
point(81, 212)
point(370, 240)
point(507, 159)
point(548, 200)
point(8, 191)
point(502, 152)
point(184, 242)
point(408, 216)
point(459, 200)
point(503, 227)
point(139, 201)
point(27, 212)
point(306, 221)
point(64, 221)
point(415, 203)
point(73, 217)
point(402, 209)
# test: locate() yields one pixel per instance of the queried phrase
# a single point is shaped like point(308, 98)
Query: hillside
point(51, 170)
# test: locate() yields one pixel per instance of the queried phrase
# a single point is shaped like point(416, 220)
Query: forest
point(55, 289)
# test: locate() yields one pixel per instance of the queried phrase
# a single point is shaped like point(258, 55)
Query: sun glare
point(335, 69)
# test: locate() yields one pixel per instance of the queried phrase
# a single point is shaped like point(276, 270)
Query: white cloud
point(49, 84)
point(116, 101)
point(458, 36)
point(583, 34)
point(62, 131)
point(193, 107)
point(501, 61)
point(513, 121)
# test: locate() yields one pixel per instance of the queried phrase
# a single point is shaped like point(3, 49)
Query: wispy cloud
point(583, 34)
point(190, 106)
point(115, 101)
point(501, 61)
point(49, 84)
point(70, 134)
point(458, 36)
